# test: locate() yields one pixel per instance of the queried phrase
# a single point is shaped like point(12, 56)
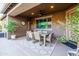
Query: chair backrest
point(30, 34)
point(37, 35)
point(51, 37)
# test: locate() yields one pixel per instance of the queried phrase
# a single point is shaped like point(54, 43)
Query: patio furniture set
point(41, 36)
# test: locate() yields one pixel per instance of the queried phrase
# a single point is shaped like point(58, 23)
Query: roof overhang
point(21, 7)
point(4, 6)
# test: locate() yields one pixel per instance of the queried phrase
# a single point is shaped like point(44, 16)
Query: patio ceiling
point(10, 7)
point(46, 8)
point(21, 7)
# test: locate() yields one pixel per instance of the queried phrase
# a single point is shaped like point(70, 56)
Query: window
point(44, 23)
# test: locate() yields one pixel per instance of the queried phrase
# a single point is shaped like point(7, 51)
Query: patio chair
point(37, 36)
point(50, 38)
point(29, 35)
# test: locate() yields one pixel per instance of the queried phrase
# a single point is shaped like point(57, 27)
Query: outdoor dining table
point(44, 37)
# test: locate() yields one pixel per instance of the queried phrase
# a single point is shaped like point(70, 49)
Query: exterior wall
point(57, 20)
point(20, 29)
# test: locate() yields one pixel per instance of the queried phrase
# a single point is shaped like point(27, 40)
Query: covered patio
point(39, 28)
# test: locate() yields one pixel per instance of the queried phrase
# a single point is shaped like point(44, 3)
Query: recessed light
point(32, 13)
point(51, 6)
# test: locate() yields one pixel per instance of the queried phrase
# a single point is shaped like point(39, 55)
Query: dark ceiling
point(45, 9)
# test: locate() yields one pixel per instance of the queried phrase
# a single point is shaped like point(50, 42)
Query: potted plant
point(11, 27)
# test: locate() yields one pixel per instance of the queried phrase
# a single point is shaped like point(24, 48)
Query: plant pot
point(13, 36)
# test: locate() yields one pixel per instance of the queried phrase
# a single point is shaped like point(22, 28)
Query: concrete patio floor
point(22, 47)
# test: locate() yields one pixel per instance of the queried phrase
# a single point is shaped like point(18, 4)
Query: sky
point(1, 8)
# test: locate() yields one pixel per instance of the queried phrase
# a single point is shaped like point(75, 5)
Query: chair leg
point(34, 41)
point(40, 42)
point(50, 43)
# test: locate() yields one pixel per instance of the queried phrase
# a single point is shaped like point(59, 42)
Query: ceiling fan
point(41, 12)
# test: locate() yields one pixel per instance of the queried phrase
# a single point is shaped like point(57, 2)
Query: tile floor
point(22, 47)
